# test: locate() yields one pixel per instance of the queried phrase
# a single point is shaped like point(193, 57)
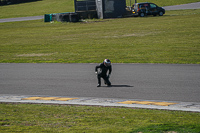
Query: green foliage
point(59, 118)
point(172, 38)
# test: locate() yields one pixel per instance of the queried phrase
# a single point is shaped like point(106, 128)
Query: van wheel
point(142, 14)
point(160, 13)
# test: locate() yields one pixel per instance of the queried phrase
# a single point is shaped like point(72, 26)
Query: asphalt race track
point(166, 82)
point(21, 19)
point(195, 5)
point(169, 82)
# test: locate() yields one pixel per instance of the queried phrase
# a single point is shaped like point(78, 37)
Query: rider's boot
point(98, 85)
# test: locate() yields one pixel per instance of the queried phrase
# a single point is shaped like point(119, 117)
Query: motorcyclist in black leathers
point(104, 68)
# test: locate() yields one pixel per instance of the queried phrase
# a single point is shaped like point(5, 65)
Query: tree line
point(9, 2)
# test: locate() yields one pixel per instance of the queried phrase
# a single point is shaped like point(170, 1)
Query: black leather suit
point(102, 73)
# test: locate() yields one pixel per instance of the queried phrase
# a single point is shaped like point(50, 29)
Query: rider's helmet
point(107, 62)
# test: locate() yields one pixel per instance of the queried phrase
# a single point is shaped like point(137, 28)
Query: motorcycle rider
point(104, 68)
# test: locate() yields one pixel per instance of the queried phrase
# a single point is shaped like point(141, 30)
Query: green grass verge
point(36, 8)
point(74, 119)
point(172, 38)
point(51, 6)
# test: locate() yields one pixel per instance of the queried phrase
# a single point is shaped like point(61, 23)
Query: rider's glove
point(96, 73)
point(109, 75)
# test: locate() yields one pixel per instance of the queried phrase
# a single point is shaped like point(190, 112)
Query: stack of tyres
point(73, 17)
point(62, 17)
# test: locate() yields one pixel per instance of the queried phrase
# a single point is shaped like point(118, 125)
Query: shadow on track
point(118, 86)
point(121, 86)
